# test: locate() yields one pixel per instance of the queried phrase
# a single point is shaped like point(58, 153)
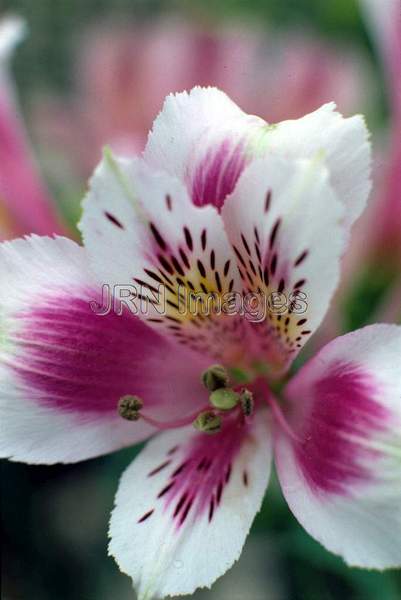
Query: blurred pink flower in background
point(25, 205)
point(123, 72)
point(385, 221)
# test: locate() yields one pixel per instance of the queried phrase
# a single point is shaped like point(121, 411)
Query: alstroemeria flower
point(25, 205)
point(220, 203)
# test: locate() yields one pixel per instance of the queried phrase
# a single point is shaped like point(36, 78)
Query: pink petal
point(342, 479)
point(64, 367)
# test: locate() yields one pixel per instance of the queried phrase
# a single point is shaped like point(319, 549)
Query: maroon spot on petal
point(301, 258)
point(186, 510)
point(212, 260)
point(255, 230)
point(113, 219)
point(146, 516)
point(226, 268)
point(268, 200)
point(166, 489)
point(188, 238)
point(179, 469)
point(238, 255)
point(153, 276)
point(201, 268)
point(252, 266)
point(165, 264)
point(211, 509)
point(245, 244)
point(180, 503)
point(273, 264)
point(159, 468)
point(203, 239)
point(168, 202)
point(299, 283)
point(146, 285)
point(301, 322)
point(274, 232)
point(245, 479)
point(156, 234)
point(281, 286)
point(218, 282)
point(177, 266)
point(219, 492)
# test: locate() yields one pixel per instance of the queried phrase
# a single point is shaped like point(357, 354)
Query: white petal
point(185, 506)
point(141, 229)
point(63, 368)
point(202, 137)
point(342, 143)
point(343, 480)
point(279, 220)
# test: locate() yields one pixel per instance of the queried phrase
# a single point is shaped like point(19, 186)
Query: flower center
point(225, 403)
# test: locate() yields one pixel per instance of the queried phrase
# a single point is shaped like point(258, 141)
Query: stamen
point(247, 403)
point(224, 398)
point(215, 377)
point(164, 425)
point(208, 422)
point(278, 413)
point(129, 407)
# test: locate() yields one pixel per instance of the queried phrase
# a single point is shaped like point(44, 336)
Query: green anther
point(215, 377)
point(207, 422)
point(224, 398)
point(129, 407)
point(247, 403)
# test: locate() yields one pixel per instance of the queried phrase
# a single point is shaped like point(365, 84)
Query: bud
point(247, 403)
point(129, 407)
point(224, 398)
point(215, 377)
point(207, 422)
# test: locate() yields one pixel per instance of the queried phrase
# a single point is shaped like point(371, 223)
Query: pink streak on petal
point(343, 407)
point(216, 175)
point(76, 360)
point(200, 479)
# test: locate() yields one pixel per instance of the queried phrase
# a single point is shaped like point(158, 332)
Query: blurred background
point(96, 72)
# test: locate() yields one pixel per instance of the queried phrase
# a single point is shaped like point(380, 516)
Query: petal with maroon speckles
point(278, 221)
point(140, 228)
point(185, 506)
